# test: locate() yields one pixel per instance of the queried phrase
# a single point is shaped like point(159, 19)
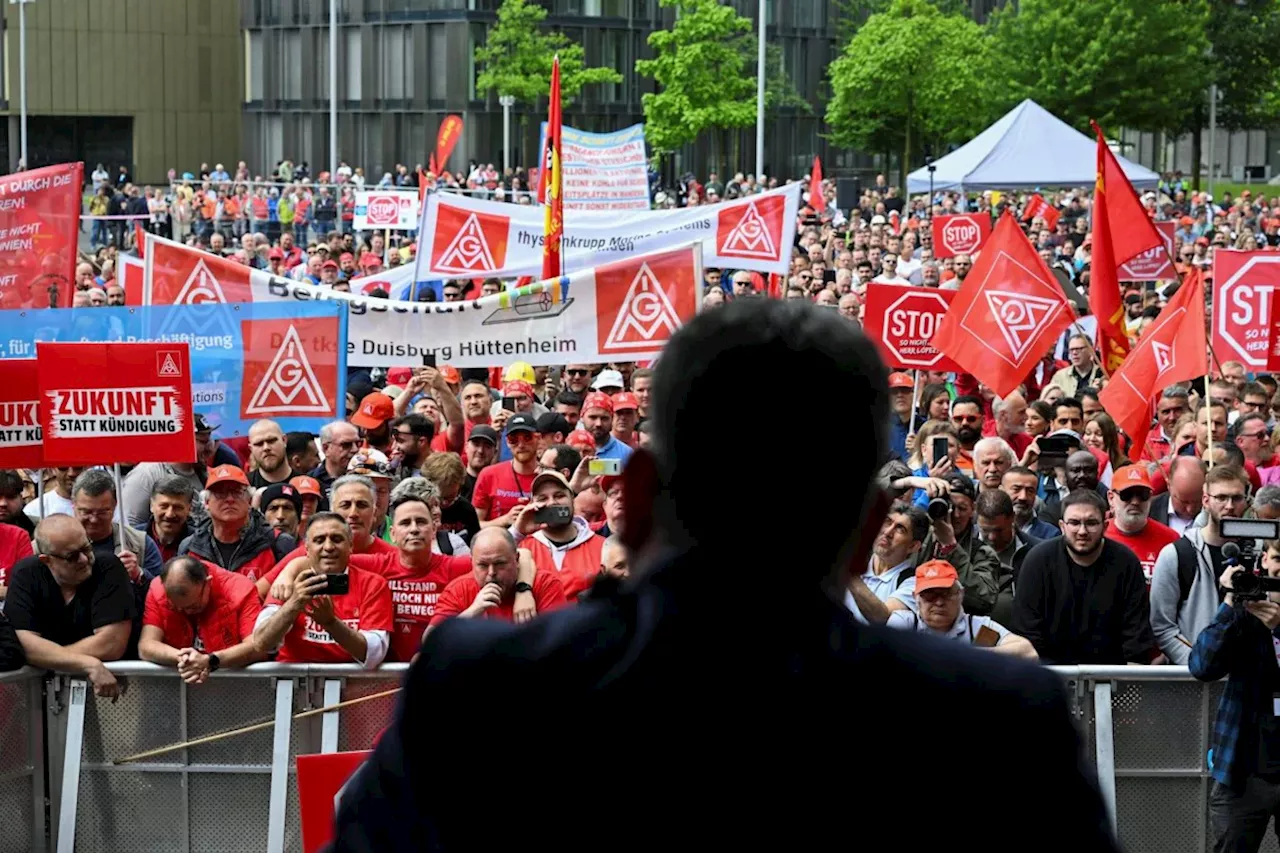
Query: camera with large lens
point(939, 508)
point(1247, 582)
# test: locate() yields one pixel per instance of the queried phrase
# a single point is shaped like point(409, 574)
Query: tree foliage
point(1245, 65)
point(516, 57)
point(912, 75)
point(701, 72)
point(1124, 63)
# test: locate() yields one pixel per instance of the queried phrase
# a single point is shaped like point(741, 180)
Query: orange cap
point(226, 474)
point(307, 486)
point(1131, 477)
point(450, 374)
point(936, 574)
point(375, 410)
point(898, 379)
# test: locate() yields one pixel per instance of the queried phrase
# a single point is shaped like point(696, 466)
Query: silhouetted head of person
point(709, 478)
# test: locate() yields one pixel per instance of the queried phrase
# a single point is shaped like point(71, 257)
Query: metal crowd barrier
point(1146, 729)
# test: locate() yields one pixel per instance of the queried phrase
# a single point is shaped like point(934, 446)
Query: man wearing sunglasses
point(1131, 524)
point(72, 609)
point(339, 441)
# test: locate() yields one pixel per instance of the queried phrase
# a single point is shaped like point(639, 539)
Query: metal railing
point(1147, 730)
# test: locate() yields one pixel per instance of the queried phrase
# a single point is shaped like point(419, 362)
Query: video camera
point(1247, 583)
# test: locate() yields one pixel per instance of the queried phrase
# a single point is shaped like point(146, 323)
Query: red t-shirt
point(548, 594)
point(366, 608)
point(499, 488)
point(1147, 543)
point(413, 594)
point(226, 620)
point(14, 545)
point(440, 443)
point(377, 547)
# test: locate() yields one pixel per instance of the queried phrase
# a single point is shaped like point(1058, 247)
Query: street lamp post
point(507, 101)
point(333, 90)
point(22, 79)
point(932, 167)
point(760, 69)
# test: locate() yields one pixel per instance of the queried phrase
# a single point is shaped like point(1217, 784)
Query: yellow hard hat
point(520, 370)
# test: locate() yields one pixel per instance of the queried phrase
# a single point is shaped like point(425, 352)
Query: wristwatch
point(521, 586)
point(214, 663)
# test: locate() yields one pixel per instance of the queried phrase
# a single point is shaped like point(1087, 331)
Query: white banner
point(621, 311)
point(386, 210)
point(469, 238)
point(603, 171)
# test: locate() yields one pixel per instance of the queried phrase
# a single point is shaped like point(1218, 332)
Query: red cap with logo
point(898, 379)
point(1131, 477)
point(598, 400)
point(375, 410)
point(625, 400)
point(307, 486)
point(936, 574)
point(399, 376)
point(226, 474)
point(369, 259)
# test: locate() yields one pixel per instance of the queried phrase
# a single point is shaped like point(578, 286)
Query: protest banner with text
point(471, 238)
point(604, 171)
point(21, 439)
point(115, 403)
point(39, 232)
point(1244, 286)
point(284, 362)
point(901, 320)
point(620, 311)
point(959, 234)
point(386, 210)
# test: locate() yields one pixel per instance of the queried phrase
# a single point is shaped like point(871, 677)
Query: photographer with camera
point(1243, 644)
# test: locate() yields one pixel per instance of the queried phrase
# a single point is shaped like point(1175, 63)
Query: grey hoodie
point(1176, 623)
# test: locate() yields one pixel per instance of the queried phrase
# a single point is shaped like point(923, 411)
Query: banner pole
point(386, 249)
point(115, 474)
point(915, 402)
point(1208, 424)
point(40, 491)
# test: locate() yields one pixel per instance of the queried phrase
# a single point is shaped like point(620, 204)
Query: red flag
point(140, 238)
point(1008, 312)
point(446, 139)
point(816, 200)
point(422, 181)
point(1172, 350)
point(551, 267)
point(1037, 206)
point(1121, 231)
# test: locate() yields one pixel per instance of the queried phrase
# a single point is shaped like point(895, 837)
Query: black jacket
point(730, 733)
point(256, 538)
point(11, 655)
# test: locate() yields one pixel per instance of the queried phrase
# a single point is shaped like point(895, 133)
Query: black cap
point(522, 422)
point(280, 490)
point(554, 422)
point(484, 432)
point(203, 425)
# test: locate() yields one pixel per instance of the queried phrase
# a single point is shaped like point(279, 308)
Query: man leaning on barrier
point(72, 608)
point(762, 702)
point(1243, 644)
point(199, 618)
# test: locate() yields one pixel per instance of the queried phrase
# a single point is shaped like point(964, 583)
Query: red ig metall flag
point(103, 402)
point(816, 201)
point(553, 182)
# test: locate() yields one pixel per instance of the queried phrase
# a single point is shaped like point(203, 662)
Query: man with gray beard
point(1131, 524)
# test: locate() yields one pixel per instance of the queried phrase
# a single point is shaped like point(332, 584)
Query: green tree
point(517, 56)
point(1125, 63)
point(702, 76)
point(910, 76)
point(852, 14)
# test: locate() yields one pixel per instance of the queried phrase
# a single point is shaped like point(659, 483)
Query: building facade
point(403, 65)
point(146, 84)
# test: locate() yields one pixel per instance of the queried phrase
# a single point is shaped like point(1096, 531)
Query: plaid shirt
point(1238, 646)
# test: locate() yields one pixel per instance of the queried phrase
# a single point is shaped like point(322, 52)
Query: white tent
point(1028, 147)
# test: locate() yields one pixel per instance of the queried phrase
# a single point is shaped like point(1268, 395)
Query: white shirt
point(376, 643)
point(53, 503)
point(895, 279)
point(1177, 523)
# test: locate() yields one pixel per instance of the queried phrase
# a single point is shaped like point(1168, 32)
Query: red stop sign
point(960, 234)
point(901, 320)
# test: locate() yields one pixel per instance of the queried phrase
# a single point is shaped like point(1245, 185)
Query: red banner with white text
point(21, 443)
point(39, 230)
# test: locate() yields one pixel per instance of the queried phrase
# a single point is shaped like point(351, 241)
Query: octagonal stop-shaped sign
point(901, 320)
point(1244, 285)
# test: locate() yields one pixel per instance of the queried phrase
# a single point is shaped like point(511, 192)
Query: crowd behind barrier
point(1145, 729)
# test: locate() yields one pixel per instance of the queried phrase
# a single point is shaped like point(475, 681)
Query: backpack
point(446, 546)
point(1188, 565)
point(915, 623)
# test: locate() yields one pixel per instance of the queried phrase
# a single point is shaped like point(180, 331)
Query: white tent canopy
point(1028, 147)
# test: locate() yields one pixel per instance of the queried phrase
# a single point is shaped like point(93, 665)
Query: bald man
point(1179, 507)
point(72, 609)
point(268, 448)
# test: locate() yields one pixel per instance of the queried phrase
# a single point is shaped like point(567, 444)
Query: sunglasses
point(577, 372)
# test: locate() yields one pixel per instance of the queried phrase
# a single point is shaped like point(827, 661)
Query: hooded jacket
point(257, 552)
point(576, 563)
point(1177, 623)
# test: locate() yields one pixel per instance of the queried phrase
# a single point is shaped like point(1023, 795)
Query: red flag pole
point(552, 265)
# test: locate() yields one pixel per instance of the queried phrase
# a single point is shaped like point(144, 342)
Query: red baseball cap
point(1131, 477)
point(936, 574)
point(580, 440)
point(625, 400)
point(608, 481)
point(329, 265)
point(898, 379)
point(375, 410)
point(307, 486)
point(450, 374)
point(369, 259)
point(399, 376)
point(517, 386)
point(276, 254)
point(598, 400)
point(346, 256)
point(226, 474)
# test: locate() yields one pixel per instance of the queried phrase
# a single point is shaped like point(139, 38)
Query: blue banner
point(283, 361)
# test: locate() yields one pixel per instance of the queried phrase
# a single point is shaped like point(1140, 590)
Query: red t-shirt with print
point(548, 594)
point(1146, 543)
point(413, 594)
point(367, 607)
point(499, 488)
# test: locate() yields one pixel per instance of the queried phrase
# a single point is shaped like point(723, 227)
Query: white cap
point(608, 379)
point(878, 219)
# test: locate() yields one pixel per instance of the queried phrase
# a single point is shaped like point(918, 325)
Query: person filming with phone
point(1243, 644)
point(335, 612)
point(559, 541)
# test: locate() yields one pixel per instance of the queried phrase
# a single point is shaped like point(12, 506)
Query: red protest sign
point(320, 781)
point(1153, 264)
point(901, 320)
point(39, 230)
point(960, 234)
point(1243, 287)
point(290, 367)
point(104, 403)
point(21, 442)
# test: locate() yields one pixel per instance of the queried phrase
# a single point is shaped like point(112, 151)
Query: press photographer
point(1243, 644)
